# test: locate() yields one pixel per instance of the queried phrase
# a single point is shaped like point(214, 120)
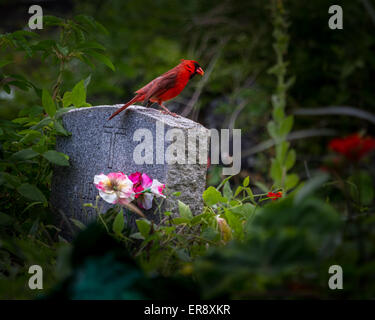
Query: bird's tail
point(135, 99)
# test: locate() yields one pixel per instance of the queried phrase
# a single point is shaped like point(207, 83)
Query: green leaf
point(86, 104)
point(32, 204)
point(101, 28)
point(281, 150)
point(137, 235)
point(184, 210)
point(286, 125)
point(227, 191)
point(246, 181)
point(62, 111)
point(56, 157)
point(86, 60)
point(198, 218)
point(31, 192)
point(42, 123)
point(78, 224)
point(24, 154)
point(78, 95)
point(86, 21)
point(87, 81)
point(118, 223)
point(246, 210)
point(45, 45)
point(144, 227)
point(20, 85)
point(9, 180)
point(291, 181)
point(278, 113)
point(179, 220)
point(48, 104)
point(210, 234)
point(276, 171)
point(52, 21)
point(30, 136)
point(223, 182)
point(211, 196)
point(22, 120)
point(234, 223)
point(91, 45)
point(271, 128)
point(31, 111)
point(60, 129)
point(104, 59)
point(290, 159)
point(67, 99)
point(238, 190)
point(63, 50)
point(250, 193)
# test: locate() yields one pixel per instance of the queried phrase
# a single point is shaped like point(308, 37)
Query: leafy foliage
point(28, 141)
point(281, 125)
point(242, 245)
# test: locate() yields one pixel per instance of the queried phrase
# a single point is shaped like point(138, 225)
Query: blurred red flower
point(353, 147)
point(274, 195)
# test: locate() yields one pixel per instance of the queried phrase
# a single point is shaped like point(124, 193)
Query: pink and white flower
point(145, 189)
point(115, 187)
point(157, 188)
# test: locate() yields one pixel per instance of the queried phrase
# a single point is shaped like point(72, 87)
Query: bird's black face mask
point(197, 70)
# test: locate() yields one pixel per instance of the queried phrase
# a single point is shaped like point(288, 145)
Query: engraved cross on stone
point(111, 134)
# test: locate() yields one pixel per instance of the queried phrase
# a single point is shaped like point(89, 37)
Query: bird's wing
point(159, 85)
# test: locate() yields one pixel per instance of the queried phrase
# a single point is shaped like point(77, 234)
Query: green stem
point(102, 220)
point(59, 81)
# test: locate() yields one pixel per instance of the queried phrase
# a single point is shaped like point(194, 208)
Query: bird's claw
point(170, 113)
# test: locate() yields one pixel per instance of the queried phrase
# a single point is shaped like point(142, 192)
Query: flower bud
point(225, 230)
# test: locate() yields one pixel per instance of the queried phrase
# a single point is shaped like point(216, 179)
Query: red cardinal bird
point(165, 87)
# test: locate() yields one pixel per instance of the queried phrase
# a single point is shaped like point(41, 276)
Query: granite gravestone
point(97, 145)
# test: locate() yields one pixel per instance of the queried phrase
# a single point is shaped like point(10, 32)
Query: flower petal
point(135, 177)
point(101, 182)
point(100, 178)
point(109, 196)
point(157, 188)
point(146, 181)
point(147, 200)
point(115, 176)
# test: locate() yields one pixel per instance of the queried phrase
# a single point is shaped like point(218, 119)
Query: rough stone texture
point(101, 146)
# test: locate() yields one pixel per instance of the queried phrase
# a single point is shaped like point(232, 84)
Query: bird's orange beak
point(200, 71)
